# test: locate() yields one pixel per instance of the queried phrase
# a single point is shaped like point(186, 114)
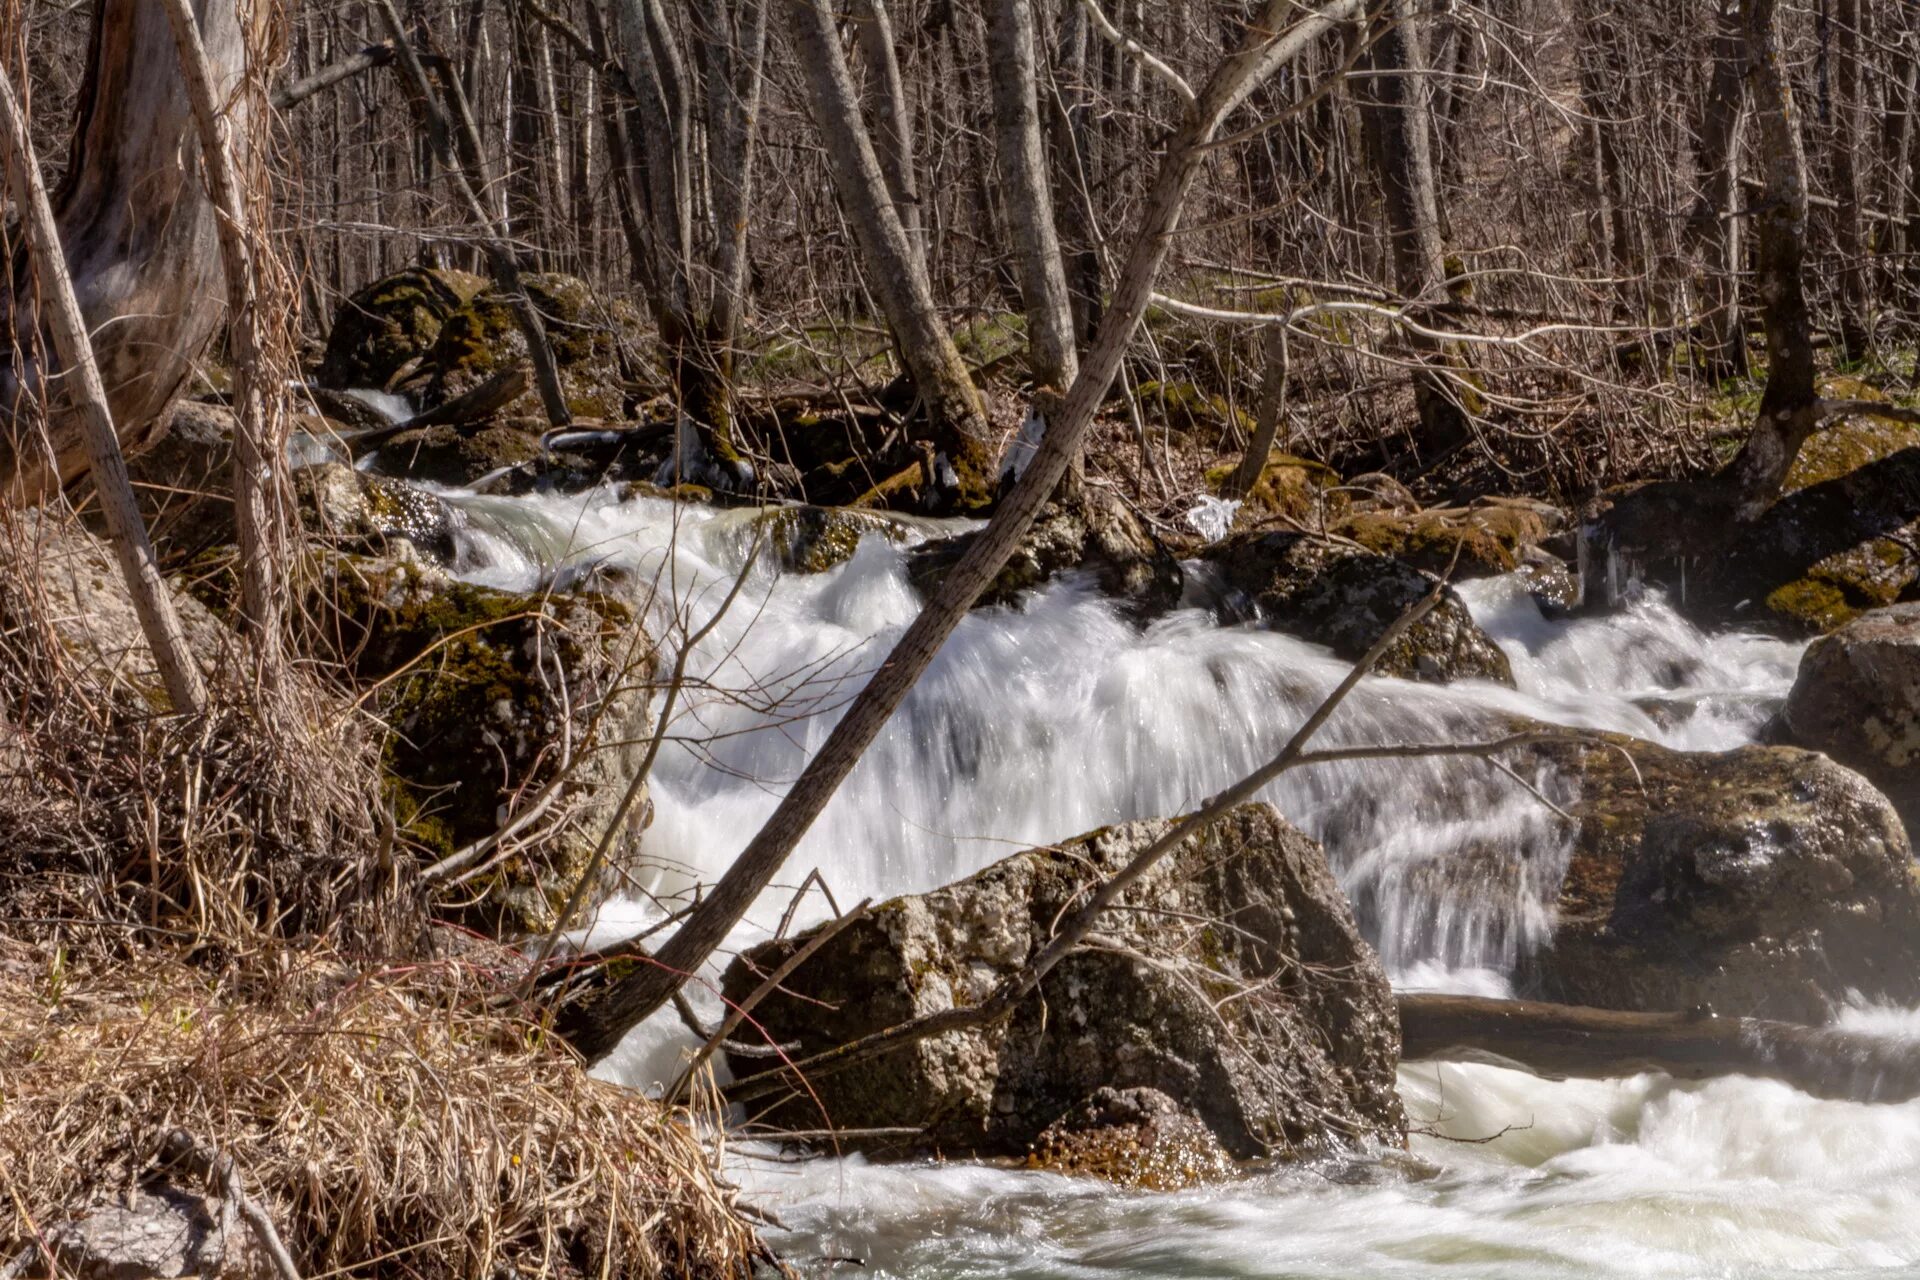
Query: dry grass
point(387, 1127)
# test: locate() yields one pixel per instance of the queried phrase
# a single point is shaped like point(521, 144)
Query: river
point(1038, 723)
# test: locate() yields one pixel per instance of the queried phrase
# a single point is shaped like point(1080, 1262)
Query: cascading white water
point(1041, 722)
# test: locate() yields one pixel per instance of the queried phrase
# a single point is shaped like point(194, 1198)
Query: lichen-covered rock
point(484, 337)
point(1857, 698)
point(1135, 1138)
point(1094, 532)
point(514, 691)
point(1767, 882)
point(449, 456)
point(158, 1233)
point(352, 511)
point(390, 323)
point(1344, 598)
point(1243, 991)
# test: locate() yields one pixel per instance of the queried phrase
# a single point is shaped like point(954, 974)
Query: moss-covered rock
point(1473, 542)
point(1766, 882)
point(390, 323)
point(484, 337)
point(449, 456)
point(1289, 489)
point(1273, 1023)
point(807, 539)
point(1094, 532)
point(491, 696)
point(1185, 407)
point(1848, 446)
point(1332, 594)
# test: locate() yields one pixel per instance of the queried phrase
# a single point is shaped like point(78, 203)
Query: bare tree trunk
point(1068, 127)
point(259, 509)
point(1273, 408)
point(138, 231)
point(1904, 237)
point(595, 1026)
point(893, 120)
point(1855, 330)
point(1051, 355)
point(1394, 113)
point(895, 271)
point(68, 326)
point(1789, 408)
point(1713, 232)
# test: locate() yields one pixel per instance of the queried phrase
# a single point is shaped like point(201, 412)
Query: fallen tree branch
point(1557, 1040)
point(178, 1147)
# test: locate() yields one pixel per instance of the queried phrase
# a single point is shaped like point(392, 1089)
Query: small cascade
point(1040, 723)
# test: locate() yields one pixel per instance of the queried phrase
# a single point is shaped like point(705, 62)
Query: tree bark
point(1394, 113)
point(1071, 135)
point(956, 415)
point(68, 324)
point(1273, 407)
point(138, 231)
point(1713, 232)
point(259, 505)
point(1051, 355)
point(1854, 333)
point(1557, 1040)
point(596, 1026)
point(893, 121)
point(1789, 407)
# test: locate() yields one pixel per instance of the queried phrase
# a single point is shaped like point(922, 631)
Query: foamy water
point(1044, 721)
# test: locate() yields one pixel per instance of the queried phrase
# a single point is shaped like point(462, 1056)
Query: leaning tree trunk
point(1394, 112)
point(138, 230)
point(1790, 406)
point(956, 415)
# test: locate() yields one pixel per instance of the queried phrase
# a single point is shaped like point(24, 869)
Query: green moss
point(1183, 406)
point(1294, 488)
point(1481, 542)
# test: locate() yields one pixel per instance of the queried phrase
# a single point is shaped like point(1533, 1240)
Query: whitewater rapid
point(1043, 721)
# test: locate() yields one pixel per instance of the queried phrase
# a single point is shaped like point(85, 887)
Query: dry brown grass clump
point(387, 1127)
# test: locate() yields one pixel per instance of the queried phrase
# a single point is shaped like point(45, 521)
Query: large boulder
point(1233, 980)
point(484, 338)
point(1345, 598)
point(1767, 882)
point(1857, 698)
point(381, 332)
point(183, 480)
point(1094, 532)
point(491, 696)
point(353, 511)
point(808, 539)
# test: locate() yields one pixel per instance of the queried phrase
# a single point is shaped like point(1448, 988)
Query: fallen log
point(1558, 1041)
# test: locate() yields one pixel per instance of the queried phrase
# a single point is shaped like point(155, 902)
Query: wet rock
point(807, 539)
point(1245, 994)
point(1345, 598)
point(1135, 1138)
point(352, 511)
point(452, 457)
point(518, 689)
point(1767, 882)
point(1094, 532)
point(1857, 699)
point(391, 323)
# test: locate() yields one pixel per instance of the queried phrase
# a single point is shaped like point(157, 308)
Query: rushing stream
point(1043, 722)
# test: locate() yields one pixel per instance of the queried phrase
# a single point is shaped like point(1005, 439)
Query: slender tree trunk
point(893, 119)
point(595, 1025)
point(1789, 407)
point(1072, 138)
point(1713, 232)
point(68, 325)
point(1903, 228)
point(895, 272)
point(1272, 410)
point(1394, 113)
point(139, 236)
point(1051, 356)
point(1855, 330)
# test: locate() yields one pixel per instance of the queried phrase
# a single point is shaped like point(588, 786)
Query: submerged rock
point(1094, 532)
point(1766, 882)
point(1345, 598)
point(1232, 979)
point(515, 691)
point(390, 324)
point(1857, 698)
